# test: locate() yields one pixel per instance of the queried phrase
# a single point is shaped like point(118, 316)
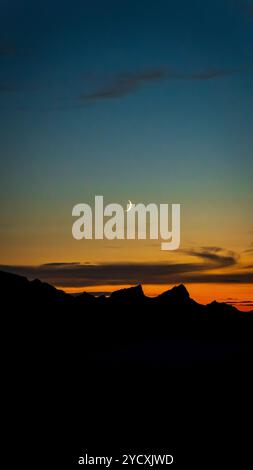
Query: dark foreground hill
point(127, 315)
point(126, 374)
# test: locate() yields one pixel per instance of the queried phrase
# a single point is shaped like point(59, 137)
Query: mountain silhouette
point(128, 316)
point(108, 372)
point(178, 292)
point(131, 294)
point(18, 288)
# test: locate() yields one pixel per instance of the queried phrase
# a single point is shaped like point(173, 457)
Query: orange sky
point(202, 293)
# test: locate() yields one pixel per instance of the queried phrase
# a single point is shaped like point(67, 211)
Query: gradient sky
point(149, 101)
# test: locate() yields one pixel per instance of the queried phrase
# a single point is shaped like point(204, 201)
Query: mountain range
point(126, 317)
point(125, 372)
point(19, 288)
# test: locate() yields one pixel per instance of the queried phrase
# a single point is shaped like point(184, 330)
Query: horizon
point(143, 103)
point(203, 296)
point(126, 152)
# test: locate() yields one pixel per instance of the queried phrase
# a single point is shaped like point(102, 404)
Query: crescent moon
point(129, 205)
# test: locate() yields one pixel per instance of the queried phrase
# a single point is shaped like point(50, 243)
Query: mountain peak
point(134, 293)
point(180, 291)
point(177, 293)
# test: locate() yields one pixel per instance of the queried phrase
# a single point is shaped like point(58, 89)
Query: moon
point(129, 205)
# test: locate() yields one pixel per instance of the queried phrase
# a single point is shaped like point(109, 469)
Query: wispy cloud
point(85, 274)
point(243, 303)
point(124, 84)
point(216, 255)
point(128, 83)
point(250, 249)
point(247, 7)
point(117, 86)
point(62, 264)
point(7, 49)
point(8, 88)
point(15, 87)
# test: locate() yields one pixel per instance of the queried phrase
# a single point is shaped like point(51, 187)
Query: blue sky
point(148, 101)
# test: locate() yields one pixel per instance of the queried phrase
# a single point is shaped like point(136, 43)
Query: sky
point(148, 101)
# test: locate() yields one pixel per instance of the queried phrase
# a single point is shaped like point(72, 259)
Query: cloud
point(243, 303)
point(100, 274)
point(208, 74)
point(228, 278)
point(118, 86)
point(124, 84)
point(7, 49)
point(221, 258)
point(81, 274)
point(247, 7)
point(250, 249)
point(8, 88)
point(215, 249)
point(61, 264)
point(128, 83)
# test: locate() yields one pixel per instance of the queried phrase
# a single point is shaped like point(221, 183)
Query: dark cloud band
point(85, 274)
point(128, 83)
